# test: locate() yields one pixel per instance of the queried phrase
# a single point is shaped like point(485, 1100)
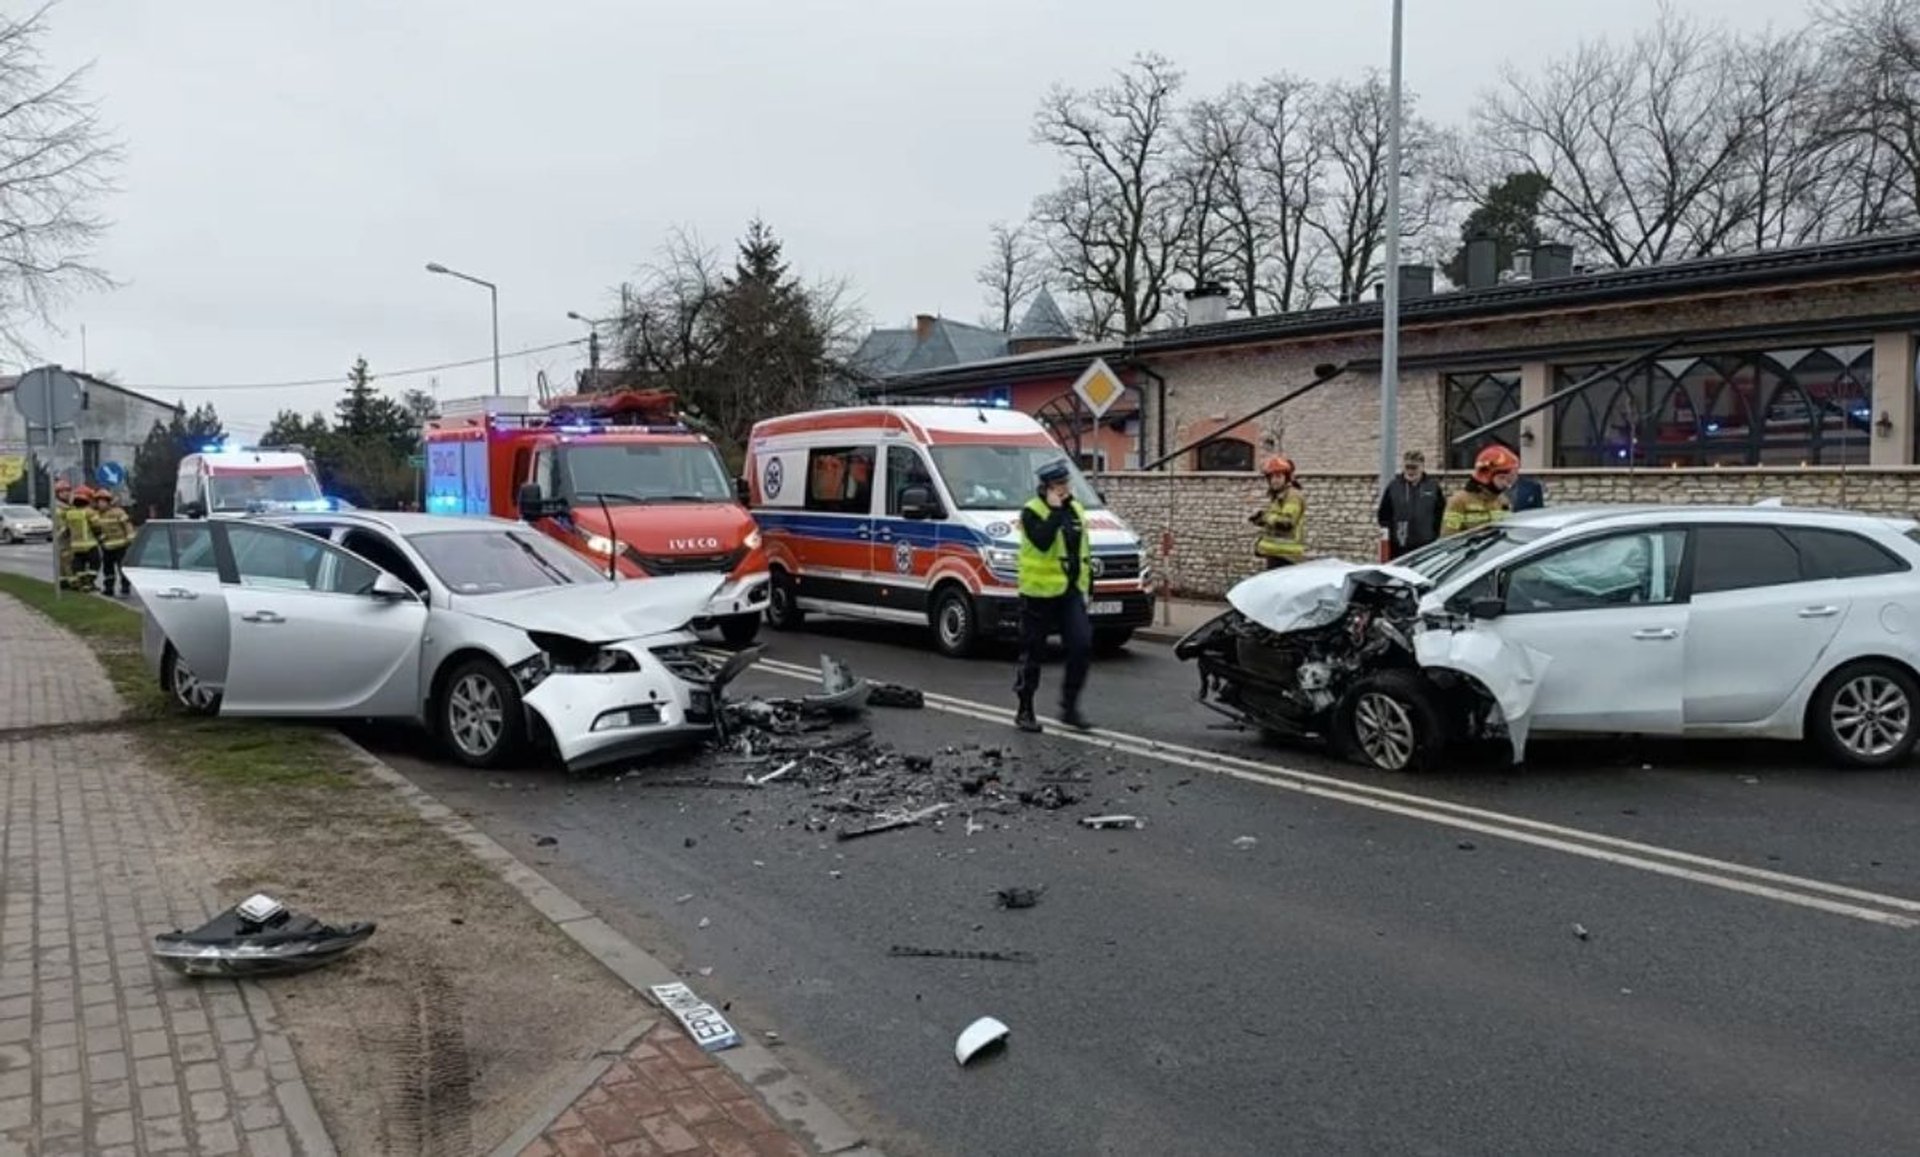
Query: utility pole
point(1390, 299)
point(593, 353)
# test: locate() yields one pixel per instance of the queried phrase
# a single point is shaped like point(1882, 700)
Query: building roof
point(1043, 321)
point(953, 343)
point(88, 381)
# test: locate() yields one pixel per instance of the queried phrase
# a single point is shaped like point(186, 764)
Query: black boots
point(1073, 717)
point(1024, 718)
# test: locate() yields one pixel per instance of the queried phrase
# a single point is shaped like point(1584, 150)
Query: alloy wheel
point(188, 689)
point(476, 719)
point(1871, 716)
point(1385, 730)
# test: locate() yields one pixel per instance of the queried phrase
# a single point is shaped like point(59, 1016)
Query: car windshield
point(647, 472)
point(488, 562)
point(237, 490)
point(20, 512)
point(1439, 560)
point(1001, 477)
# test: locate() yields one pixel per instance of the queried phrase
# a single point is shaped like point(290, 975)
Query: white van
point(907, 514)
point(226, 483)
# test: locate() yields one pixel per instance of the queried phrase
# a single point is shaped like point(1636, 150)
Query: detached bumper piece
point(258, 937)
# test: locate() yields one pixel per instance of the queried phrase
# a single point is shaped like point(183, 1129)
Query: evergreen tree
point(1510, 216)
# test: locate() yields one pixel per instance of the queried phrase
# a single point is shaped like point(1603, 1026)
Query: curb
point(576, 1086)
point(785, 1095)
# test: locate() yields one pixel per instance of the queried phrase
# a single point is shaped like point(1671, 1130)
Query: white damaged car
point(484, 631)
point(1682, 621)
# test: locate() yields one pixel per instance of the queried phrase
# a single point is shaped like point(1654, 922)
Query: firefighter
point(1056, 573)
point(1283, 521)
point(84, 546)
point(62, 540)
point(1483, 500)
point(114, 530)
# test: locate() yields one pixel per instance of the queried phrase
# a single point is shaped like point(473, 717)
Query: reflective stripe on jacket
point(114, 527)
point(1283, 526)
point(1472, 508)
point(1043, 573)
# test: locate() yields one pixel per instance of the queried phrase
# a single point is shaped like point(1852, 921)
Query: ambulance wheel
point(740, 630)
point(783, 604)
point(956, 629)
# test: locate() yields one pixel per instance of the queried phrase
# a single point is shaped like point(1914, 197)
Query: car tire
point(956, 625)
point(6, 536)
point(1109, 643)
point(479, 715)
point(740, 630)
point(1866, 715)
point(1391, 722)
point(783, 604)
point(178, 683)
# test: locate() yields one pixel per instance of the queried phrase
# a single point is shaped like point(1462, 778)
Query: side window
point(1738, 558)
point(905, 470)
point(151, 548)
point(1839, 554)
point(193, 547)
point(1622, 570)
point(840, 480)
point(290, 560)
point(381, 552)
point(183, 491)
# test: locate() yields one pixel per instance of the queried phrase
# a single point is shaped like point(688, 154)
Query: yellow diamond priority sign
point(1099, 388)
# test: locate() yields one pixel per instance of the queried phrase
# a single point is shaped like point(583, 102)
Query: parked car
point(1763, 622)
point(484, 631)
point(24, 524)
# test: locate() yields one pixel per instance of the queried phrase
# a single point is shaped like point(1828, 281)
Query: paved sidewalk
point(1175, 619)
point(102, 1052)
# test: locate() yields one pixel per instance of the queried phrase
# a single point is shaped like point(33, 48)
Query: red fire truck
point(619, 478)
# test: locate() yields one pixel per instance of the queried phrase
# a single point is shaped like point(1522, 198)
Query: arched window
point(1227, 455)
point(1473, 400)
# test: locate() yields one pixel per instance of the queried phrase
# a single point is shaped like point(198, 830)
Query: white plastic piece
point(979, 1035)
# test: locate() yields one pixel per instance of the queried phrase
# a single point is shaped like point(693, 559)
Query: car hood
point(602, 612)
point(1312, 594)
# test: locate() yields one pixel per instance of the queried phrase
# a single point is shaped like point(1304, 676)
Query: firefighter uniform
point(1283, 521)
point(1483, 500)
point(1056, 575)
point(115, 532)
point(82, 546)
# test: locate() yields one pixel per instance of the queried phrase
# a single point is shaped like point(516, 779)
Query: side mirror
point(533, 501)
point(194, 510)
point(1486, 608)
point(742, 493)
point(387, 589)
point(917, 504)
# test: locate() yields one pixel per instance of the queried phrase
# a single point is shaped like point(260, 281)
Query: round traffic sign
point(110, 473)
point(47, 396)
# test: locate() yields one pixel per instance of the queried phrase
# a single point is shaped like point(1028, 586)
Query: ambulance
point(618, 478)
point(233, 481)
point(908, 514)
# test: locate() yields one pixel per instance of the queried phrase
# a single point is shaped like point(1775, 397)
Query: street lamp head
point(436, 267)
point(573, 316)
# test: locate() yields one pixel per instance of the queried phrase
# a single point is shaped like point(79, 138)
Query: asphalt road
point(1621, 949)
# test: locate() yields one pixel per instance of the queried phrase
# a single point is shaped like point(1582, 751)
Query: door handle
point(1655, 634)
point(865, 532)
point(262, 617)
point(1818, 612)
point(175, 593)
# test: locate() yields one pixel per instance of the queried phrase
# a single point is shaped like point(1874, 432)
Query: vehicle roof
point(917, 420)
point(403, 523)
point(1554, 518)
point(248, 457)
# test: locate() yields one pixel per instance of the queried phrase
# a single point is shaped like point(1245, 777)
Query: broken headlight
point(562, 655)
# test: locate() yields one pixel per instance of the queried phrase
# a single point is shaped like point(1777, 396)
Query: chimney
point(1552, 260)
point(1416, 281)
point(1483, 263)
point(1523, 265)
point(1206, 303)
point(923, 326)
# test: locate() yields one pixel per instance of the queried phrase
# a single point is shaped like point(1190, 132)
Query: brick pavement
point(102, 1052)
point(665, 1097)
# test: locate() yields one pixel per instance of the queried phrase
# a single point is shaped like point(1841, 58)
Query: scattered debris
point(1019, 897)
point(683, 781)
point(702, 1021)
point(683, 899)
point(706, 972)
point(1051, 797)
point(545, 841)
point(706, 922)
point(774, 774)
point(257, 937)
point(1749, 780)
point(979, 1036)
point(1118, 821)
point(890, 823)
point(1245, 842)
point(1466, 845)
point(689, 842)
point(1580, 932)
point(962, 954)
point(896, 695)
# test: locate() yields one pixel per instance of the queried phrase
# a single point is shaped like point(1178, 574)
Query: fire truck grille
point(660, 565)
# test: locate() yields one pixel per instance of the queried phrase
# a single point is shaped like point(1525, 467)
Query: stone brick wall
point(1200, 520)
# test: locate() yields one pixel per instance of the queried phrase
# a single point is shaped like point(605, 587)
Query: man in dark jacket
point(1411, 507)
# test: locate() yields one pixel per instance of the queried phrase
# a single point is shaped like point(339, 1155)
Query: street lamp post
point(493, 293)
point(1390, 299)
point(593, 341)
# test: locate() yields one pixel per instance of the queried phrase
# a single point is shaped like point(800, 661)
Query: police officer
point(1283, 521)
point(1483, 500)
point(1056, 572)
point(114, 530)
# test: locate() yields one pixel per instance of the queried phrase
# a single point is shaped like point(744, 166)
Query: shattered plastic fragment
point(258, 937)
point(1580, 931)
point(1245, 842)
point(1019, 897)
point(1119, 821)
point(962, 954)
point(978, 1037)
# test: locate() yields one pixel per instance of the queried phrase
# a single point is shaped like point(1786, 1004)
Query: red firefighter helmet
point(1278, 464)
point(1494, 460)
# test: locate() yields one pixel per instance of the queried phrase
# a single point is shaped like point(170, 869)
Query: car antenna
point(613, 538)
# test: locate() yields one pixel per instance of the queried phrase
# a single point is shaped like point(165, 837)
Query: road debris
point(1116, 821)
point(1580, 932)
point(896, 695)
point(963, 954)
point(690, 781)
point(706, 922)
point(259, 936)
point(782, 770)
point(887, 824)
point(545, 842)
point(1466, 845)
point(979, 1036)
point(1245, 842)
point(1012, 898)
point(688, 898)
point(701, 1020)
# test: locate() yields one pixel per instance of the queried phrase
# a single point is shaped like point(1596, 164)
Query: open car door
point(173, 568)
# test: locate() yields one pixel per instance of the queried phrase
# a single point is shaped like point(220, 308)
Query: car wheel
point(1864, 715)
point(740, 630)
point(481, 719)
point(6, 536)
point(783, 604)
point(955, 629)
point(1389, 721)
point(1111, 642)
point(184, 687)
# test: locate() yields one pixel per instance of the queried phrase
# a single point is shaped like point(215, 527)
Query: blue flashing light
point(443, 504)
point(1713, 427)
point(581, 428)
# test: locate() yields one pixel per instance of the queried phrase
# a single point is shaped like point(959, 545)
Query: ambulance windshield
point(648, 472)
point(253, 489)
point(1001, 477)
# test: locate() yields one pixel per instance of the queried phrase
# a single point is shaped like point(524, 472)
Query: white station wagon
point(1760, 621)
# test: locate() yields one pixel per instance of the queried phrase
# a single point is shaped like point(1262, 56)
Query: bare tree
point(1229, 227)
point(669, 331)
point(1349, 214)
point(1640, 142)
point(1013, 272)
point(1780, 182)
point(56, 162)
point(1114, 224)
point(1286, 154)
point(1872, 115)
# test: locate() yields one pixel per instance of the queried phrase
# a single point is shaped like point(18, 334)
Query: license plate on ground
point(1106, 608)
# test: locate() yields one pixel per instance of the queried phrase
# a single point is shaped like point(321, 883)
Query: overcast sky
point(293, 165)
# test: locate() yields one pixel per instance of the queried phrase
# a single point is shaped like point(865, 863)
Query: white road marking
point(1818, 895)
